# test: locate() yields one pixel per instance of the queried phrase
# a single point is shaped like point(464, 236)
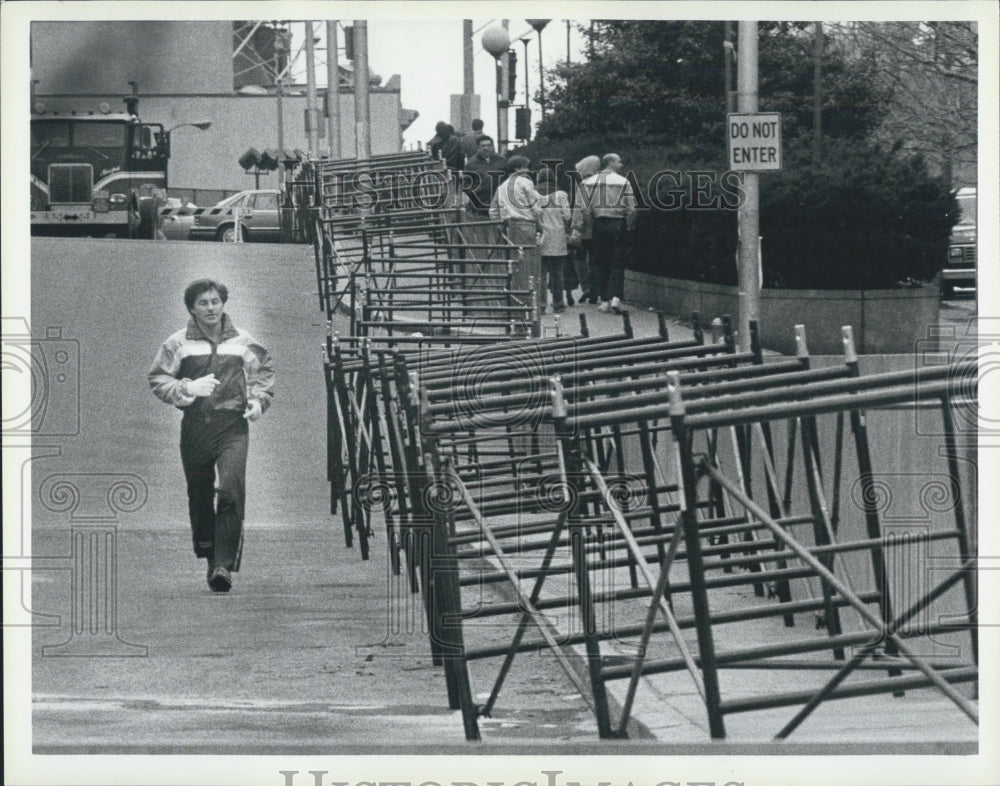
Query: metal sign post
point(749, 213)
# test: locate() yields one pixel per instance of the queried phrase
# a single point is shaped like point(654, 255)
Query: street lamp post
point(527, 90)
point(496, 41)
point(203, 125)
point(539, 25)
point(280, 48)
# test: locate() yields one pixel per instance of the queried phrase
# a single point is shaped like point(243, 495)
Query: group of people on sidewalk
point(580, 242)
point(569, 242)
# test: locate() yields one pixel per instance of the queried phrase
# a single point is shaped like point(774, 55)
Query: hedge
point(864, 218)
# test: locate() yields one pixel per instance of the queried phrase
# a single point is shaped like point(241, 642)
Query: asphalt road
point(313, 647)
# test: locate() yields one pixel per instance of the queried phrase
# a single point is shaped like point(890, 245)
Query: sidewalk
point(314, 651)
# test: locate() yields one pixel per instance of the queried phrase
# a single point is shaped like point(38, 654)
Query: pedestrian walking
point(555, 220)
point(222, 379)
point(470, 141)
point(483, 173)
point(517, 204)
point(581, 244)
point(446, 146)
point(611, 210)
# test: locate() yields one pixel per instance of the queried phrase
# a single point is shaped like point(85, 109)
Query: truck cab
point(960, 267)
point(96, 173)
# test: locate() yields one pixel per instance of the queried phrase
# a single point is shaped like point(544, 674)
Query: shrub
point(863, 219)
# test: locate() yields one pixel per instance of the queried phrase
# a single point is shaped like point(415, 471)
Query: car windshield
point(266, 202)
point(229, 201)
point(49, 133)
point(967, 206)
point(87, 134)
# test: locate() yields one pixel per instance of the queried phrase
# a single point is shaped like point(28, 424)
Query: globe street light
point(496, 41)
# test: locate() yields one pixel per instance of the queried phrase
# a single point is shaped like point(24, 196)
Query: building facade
point(185, 72)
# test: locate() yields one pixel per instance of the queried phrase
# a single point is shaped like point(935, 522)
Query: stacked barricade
point(393, 251)
point(633, 507)
point(648, 501)
point(404, 214)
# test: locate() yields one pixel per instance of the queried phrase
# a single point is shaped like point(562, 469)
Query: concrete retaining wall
point(884, 320)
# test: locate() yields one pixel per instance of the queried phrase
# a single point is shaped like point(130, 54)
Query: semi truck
point(97, 173)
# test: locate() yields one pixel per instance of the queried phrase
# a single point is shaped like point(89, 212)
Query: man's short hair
point(195, 288)
point(477, 125)
point(517, 162)
point(484, 138)
point(609, 159)
point(440, 126)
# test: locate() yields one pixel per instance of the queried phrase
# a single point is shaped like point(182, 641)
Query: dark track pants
point(209, 446)
point(610, 257)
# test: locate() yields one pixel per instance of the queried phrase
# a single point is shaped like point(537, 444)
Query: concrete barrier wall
point(884, 320)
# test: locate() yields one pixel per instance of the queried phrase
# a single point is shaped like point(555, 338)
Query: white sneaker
point(605, 307)
point(616, 305)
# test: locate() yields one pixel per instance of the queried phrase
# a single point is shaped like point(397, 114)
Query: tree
point(929, 71)
point(664, 81)
point(643, 80)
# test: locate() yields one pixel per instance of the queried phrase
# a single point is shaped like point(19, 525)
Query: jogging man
point(222, 379)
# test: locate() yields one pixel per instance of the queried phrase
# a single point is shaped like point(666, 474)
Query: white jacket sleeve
point(163, 376)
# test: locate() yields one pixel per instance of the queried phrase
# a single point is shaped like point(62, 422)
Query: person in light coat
point(581, 244)
point(556, 217)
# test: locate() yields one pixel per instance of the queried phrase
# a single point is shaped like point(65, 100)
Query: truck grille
point(70, 183)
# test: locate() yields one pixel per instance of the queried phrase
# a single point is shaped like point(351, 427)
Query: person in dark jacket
point(222, 379)
point(470, 141)
point(446, 145)
point(485, 170)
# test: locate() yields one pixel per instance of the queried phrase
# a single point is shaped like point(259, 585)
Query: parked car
point(960, 267)
point(259, 219)
point(177, 226)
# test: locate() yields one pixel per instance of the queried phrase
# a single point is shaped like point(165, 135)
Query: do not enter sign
point(754, 141)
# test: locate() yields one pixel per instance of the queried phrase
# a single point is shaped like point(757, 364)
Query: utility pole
point(332, 91)
point(311, 124)
point(468, 76)
point(363, 135)
point(541, 75)
point(749, 212)
point(818, 93)
point(280, 48)
point(728, 50)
